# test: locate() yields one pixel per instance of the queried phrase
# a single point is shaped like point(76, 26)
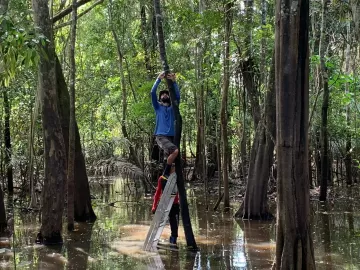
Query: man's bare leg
point(170, 160)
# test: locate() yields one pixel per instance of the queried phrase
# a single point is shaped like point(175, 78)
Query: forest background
point(225, 70)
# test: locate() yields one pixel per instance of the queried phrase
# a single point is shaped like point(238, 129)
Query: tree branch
point(79, 16)
point(68, 10)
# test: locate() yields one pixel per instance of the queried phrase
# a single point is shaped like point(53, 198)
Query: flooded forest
point(250, 106)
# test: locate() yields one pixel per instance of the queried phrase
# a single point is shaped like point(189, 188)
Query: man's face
point(165, 97)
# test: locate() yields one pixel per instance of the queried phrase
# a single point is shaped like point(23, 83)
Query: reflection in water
point(115, 240)
point(260, 251)
point(78, 247)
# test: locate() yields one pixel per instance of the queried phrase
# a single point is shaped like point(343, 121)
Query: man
point(164, 136)
point(164, 128)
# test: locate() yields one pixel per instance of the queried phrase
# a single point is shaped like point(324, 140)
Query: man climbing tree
point(190, 240)
point(164, 128)
point(164, 136)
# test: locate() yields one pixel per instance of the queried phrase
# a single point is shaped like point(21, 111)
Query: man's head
point(164, 96)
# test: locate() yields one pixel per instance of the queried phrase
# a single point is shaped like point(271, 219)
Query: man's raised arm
point(154, 100)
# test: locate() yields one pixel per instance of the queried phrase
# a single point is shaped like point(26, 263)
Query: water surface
point(115, 240)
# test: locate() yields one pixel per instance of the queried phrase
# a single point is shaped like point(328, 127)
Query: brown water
point(115, 240)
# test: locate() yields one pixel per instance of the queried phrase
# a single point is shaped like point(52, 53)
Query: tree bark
point(71, 156)
point(255, 205)
point(189, 235)
point(7, 141)
point(54, 147)
point(224, 101)
point(294, 248)
point(83, 209)
point(325, 105)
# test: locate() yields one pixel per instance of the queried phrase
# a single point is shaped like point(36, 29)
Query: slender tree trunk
point(189, 235)
point(7, 140)
point(224, 101)
point(71, 158)
point(348, 158)
point(199, 99)
point(133, 155)
point(294, 248)
point(144, 40)
point(54, 147)
point(244, 155)
point(324, 111)
point(263, 44)
point(83, 209)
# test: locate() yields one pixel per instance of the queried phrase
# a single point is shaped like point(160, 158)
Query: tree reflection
point(78, 247)
point(259, 250)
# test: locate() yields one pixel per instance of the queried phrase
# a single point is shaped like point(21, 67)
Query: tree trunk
point(348, 158)
point(133, 154)
point(144, 40)
point(244, 137)
point(324, 111)
point(263, 44)
point(224, 101)
point(189, 235)
point(294, 248)
point(83, 209)
point(7, 140)
point(71, 157)
point(54, 147)
point(200, 167)
point(254, 205)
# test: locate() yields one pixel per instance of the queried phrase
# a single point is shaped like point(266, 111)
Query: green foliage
point(18, 44)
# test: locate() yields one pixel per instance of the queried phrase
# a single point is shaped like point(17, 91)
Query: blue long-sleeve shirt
point(164, 114)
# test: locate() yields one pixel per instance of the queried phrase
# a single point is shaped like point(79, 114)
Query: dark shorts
point(166, 144)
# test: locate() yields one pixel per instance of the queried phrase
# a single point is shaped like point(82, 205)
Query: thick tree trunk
point(83, 209)
point(294, 248)
point(54, 147)
point(71, 157)
point(224, 101)
point(249, 73)
point(189, 235)
point(7, 140)
point(324, 110)
point(254, 205)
